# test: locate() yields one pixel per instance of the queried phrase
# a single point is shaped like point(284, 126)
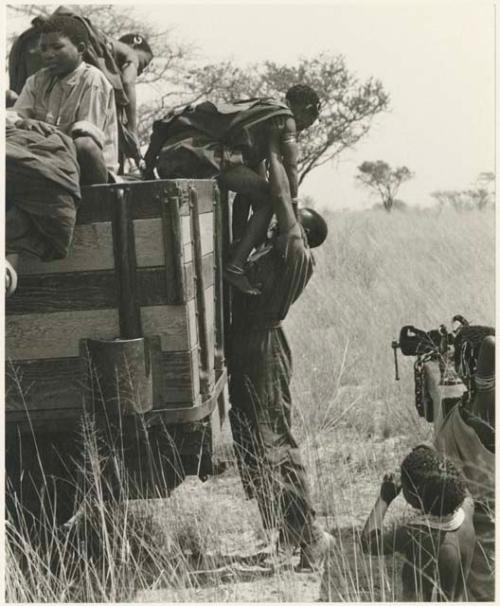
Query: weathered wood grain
point(206, 233)
point(47, 293)
point(170, 323)
point(91, 250)
point(146, 197)
point(149, 245)
point(208, 275)
point(62, 383)
point(57, 334)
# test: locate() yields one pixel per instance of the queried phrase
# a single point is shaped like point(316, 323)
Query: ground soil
point(232, 564)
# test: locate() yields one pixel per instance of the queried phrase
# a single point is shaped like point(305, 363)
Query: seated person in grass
point(437, 545)
point(467, 437)
point(231, 142)
point(61, 133)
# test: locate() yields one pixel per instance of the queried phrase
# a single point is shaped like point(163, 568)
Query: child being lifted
point(230, 141)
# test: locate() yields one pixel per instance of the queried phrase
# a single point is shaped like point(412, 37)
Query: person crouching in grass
point(437, 544)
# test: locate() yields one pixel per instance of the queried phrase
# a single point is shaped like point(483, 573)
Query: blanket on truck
point(206, 138)
point(42, 193)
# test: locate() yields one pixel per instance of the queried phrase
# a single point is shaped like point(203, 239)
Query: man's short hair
point(68, 26)
point(433, 482)
point(305, 96)
point(136, 41)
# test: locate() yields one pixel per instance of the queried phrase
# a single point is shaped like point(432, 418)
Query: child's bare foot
point(236, 277)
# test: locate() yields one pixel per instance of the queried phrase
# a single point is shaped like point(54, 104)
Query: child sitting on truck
point(71, 96)
point(438, 544)
point(61, 133)
point(121, 61)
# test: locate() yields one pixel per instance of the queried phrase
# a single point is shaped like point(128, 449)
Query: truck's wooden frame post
point(172, 233)
point(226, 242)
point(126, 265)
point(218, 281)
point(206, 364)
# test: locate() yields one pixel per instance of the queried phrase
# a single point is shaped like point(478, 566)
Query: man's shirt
point(83, 99)
point(281, 270)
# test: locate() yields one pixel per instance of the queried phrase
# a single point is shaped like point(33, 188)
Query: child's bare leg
point(255, 188)
point(241, 210)
point(91, 161)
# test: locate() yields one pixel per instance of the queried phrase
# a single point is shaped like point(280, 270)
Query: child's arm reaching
point(373, 539)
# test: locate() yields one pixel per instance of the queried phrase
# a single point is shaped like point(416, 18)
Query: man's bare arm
point(290, 154)
point(280, 187)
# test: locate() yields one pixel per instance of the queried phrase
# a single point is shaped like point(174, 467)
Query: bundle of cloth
point(42, 193)
point(199, 141)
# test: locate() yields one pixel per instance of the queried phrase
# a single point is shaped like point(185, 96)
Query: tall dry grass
point(375, 273)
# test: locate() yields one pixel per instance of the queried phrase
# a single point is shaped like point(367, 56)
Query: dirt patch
point(221, 534)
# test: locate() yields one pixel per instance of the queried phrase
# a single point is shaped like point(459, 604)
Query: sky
point(435, 59)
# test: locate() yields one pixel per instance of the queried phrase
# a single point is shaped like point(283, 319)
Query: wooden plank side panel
point(205, 189)
point(79, 291)
point(45, 384)
point(91, 250)
point(57, 384)
point(209, 302)
point(149, 245)
point(173, 379)
point(170, 323)
point(145, 196)
point(206, 234)
point(46, 293)
point(56, 335)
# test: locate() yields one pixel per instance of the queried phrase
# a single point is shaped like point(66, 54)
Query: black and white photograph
point(249, 330)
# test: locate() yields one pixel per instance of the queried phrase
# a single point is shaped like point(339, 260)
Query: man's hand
point(390, 488)
point(43, 128)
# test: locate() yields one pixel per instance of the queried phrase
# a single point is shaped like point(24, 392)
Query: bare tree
point(383, 180)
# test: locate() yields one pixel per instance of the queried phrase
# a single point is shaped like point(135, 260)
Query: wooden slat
point(170, 323)
point(206, 192)
point(95, 290)
point(45, 384)
point(48, 293)
point(174, 378)
point(192, 327)
point(145, 197)
point(209, 302)
point(91, 250)
point(150, 251)
point(62, 383)
point(206, 234)
point(97, 203)
point(208, 275)
point(57, 335)
point(126, 266)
